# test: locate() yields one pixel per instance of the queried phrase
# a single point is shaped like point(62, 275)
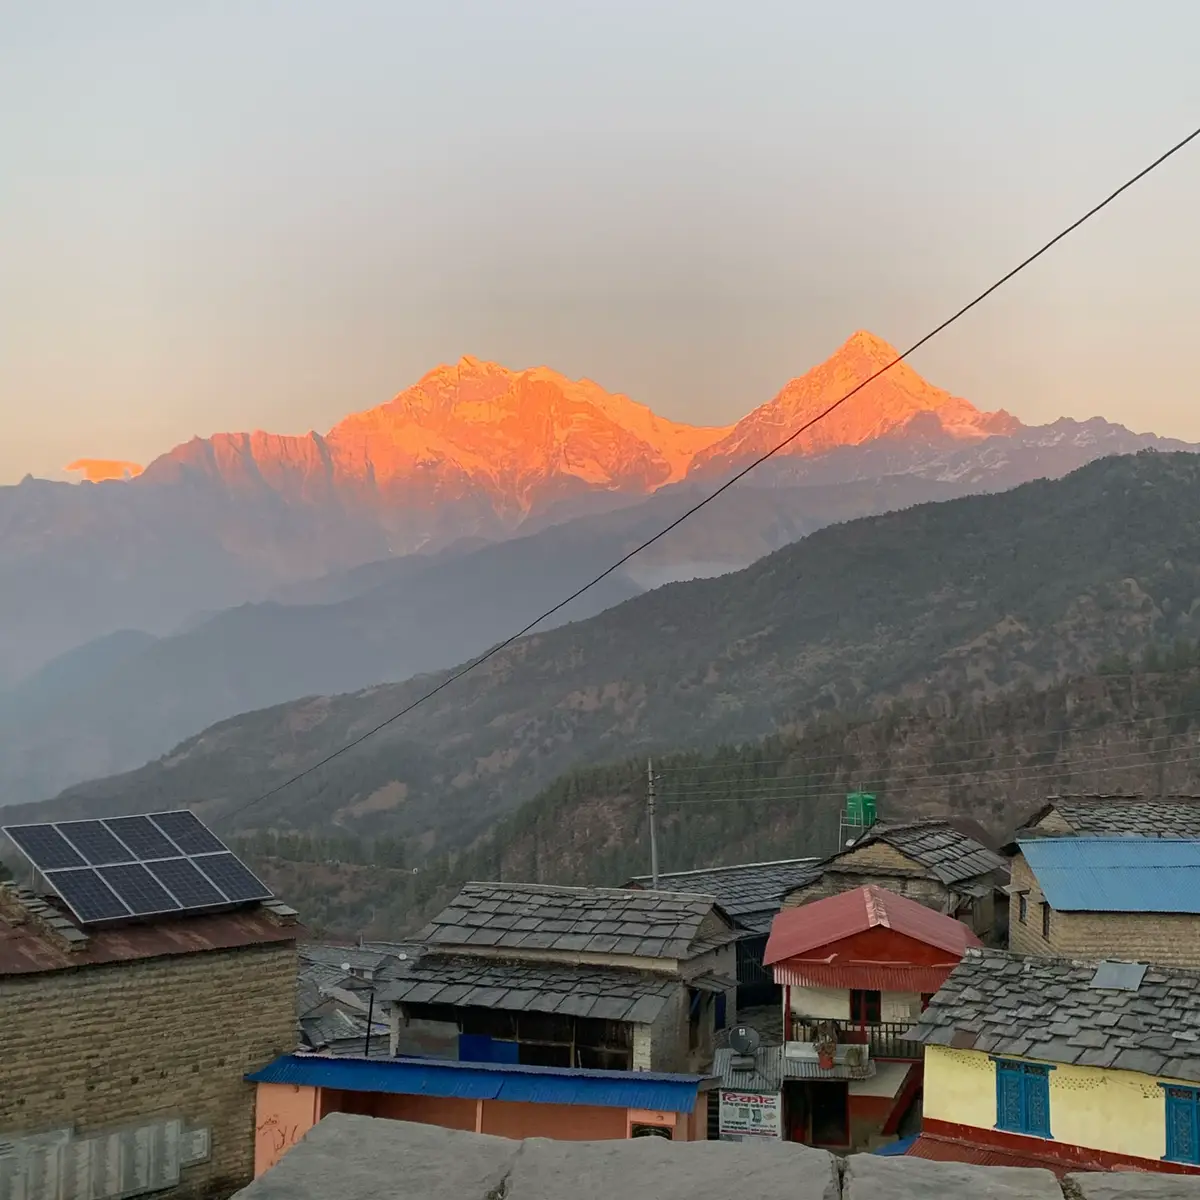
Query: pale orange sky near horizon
point(220, 217)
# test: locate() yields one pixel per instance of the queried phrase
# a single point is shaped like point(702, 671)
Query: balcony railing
point(885, 1038)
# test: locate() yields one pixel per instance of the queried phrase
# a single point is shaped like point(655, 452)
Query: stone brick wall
point(127, 1043)
point(1172, 939)
point(920, 888)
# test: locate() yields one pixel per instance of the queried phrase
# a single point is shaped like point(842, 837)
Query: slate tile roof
point(661, 925)
point(751, 893)
point(1169, 816)
point(1047, 1009)
point(605, 993)
point(950, 855)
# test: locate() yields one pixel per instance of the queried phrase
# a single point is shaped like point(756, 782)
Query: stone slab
point(645, 1168)
point(868, 1177)
point(1133, 1185)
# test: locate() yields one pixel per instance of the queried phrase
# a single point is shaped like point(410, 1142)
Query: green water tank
point(860, 808)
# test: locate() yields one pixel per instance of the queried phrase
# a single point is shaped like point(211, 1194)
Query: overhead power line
point(520, 633)
point(731, 765)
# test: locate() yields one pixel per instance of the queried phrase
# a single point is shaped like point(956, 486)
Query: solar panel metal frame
point(126, 889)
point(214, 844)
point(63, 881)
point(80, 838)
point(122, 828)
point(224, 895)
point(161, 869)
point(16, 833)
point(207, 863)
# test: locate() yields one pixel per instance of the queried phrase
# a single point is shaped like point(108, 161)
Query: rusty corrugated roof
point(27, 949)
point(797, 931)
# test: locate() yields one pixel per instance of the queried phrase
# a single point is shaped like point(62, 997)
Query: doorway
point(829, 1104)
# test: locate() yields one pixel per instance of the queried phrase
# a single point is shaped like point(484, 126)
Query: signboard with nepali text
point(749, 1115)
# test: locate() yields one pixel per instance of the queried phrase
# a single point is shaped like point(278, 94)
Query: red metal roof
point(27, 949)
point(798, 931)
point(865, 976)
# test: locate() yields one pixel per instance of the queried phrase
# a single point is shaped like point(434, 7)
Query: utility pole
point(650, 808)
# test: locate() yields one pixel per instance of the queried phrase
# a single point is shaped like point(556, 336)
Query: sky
point(236, 215)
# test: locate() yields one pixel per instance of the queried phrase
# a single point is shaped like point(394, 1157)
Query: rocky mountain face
point(472, 450)
point(947, 603)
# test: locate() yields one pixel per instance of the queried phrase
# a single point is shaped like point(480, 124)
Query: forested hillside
point(949, 604)
point(1130, 729)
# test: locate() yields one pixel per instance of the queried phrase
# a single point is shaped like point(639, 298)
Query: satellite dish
point(744, 1040)
point(402, 956)
point(345, 966)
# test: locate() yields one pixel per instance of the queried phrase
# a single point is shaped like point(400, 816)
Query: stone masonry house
point(1087, 897)
point(752, 894)
point(602, 978)
point(1112, 816)
point(1069, 1064)
point(931, 862)
point(123, 1048)
point(335, 991)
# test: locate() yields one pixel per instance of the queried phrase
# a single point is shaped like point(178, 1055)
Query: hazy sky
point(268, 214)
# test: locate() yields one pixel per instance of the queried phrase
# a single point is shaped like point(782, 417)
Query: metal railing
point(884, 1038)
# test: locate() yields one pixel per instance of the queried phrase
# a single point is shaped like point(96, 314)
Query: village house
point(336, 992)
point(856, 969)
point(1062, 1063)
point(1086, 897)
point(752, 894)
point(504, 1099)
point(124, 1046)
point(932, 862)
point(599, 978)
point(1111, 816)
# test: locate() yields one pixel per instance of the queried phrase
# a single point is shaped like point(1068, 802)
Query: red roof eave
point(867, 977)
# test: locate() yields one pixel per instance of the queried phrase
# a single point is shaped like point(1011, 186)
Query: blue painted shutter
point(1008, 1097)
point(1037, 1100)
point(1183, 1142)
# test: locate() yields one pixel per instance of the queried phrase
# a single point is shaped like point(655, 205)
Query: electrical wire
point(966, 308)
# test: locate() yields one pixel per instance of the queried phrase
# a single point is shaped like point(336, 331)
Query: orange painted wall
point(284, 1113)
point(450, 1112)
point(562, 1122)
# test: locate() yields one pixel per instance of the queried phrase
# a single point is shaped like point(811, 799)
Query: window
point(925, 999)
point(1045, 920)
point(865, 1008)
point(1183, 1130)
point(1022, 908)
point(1023, 1097)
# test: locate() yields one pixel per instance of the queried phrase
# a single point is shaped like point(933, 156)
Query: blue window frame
point(1023, 1097)
point(1183, 1123)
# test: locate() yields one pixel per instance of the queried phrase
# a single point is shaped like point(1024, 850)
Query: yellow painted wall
point(1118, 1111)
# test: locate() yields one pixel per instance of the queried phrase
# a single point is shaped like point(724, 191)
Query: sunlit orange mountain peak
point(97, 470)
point(885, 406)
point(519, 429)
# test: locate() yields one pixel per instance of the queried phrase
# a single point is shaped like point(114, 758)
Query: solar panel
point(95, 843)
point(87, 895)
point(138, 866)
point(1119, 976)
point(44, 846)
point(181, 878)
point(188, 832)
point(142, 893)
point(233, 877)
point(143, 837)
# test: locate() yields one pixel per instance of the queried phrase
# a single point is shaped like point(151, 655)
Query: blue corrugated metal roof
point(486, 1081)
point(1117, 874)
point(897, 1149)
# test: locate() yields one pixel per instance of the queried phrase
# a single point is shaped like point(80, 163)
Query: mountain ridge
point(971, 597)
